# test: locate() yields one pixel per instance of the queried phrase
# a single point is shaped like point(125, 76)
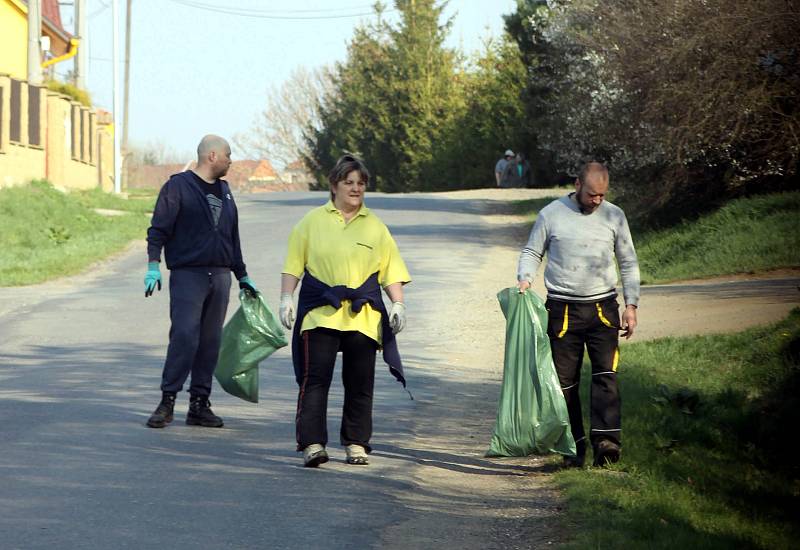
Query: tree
point(490, 119)
point(394, 97)
point(719, 81)
point(688, 101)
point(291, 112)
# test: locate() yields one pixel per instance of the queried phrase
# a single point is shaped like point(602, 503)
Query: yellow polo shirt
point(339, 253)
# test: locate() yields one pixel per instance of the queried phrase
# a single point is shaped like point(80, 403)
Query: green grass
point(744, 236)
point(48, 234)
point(708, 424)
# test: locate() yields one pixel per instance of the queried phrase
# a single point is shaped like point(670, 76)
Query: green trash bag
point(250, 336)
point(532, 414)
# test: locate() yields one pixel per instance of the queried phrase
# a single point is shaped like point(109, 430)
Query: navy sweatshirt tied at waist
point(314, 293)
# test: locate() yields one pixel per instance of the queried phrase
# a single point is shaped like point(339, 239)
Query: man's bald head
point(211, 143)
point(594, 171)
point(213, 157)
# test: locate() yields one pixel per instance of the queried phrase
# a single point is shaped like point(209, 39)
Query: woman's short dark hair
point(345, 165)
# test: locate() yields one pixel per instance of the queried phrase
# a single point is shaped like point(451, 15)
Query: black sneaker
point(606, 452)
point(200, 413)
point(163, 414)
point(573, 461)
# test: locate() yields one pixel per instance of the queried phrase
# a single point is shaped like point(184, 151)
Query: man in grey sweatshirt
point(585, 238)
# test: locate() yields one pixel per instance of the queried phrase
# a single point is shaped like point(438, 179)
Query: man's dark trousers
point(320, 347)
point(198, 300)
point(595, 325)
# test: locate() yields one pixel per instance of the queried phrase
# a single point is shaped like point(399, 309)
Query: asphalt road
point(80, 364)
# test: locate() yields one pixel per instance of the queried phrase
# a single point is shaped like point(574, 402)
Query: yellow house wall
point(105, 157)
point(13, 39)
point(20, 162)
point(20, 165)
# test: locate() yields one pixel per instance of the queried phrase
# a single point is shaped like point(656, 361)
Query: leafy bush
point(79, 95)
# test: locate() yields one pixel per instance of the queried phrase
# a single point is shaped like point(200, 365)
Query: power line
point(262, 14)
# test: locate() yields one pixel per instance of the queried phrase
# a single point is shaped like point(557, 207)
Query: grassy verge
point(48, 234)
point(744, 236)
point(706, 461)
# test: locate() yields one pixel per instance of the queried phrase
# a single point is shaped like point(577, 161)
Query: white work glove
point(397, 317)
point(286, 311)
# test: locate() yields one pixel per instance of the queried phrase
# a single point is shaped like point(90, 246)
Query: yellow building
point(14, 35)
point(43, 134)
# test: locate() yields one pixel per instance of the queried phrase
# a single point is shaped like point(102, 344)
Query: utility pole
point(82, 59)
point(115, 85)
point(126, 87)
point(34, 44)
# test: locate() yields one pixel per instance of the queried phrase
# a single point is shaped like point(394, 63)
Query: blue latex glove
point(152, 278)
point(247, 284)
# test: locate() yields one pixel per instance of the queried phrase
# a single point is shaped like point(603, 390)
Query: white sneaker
point(314, 455)
point(356, 454)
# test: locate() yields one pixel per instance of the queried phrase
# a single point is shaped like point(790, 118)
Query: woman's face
point(349, 193)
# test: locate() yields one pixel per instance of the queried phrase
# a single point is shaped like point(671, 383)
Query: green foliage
point(79, 95)
point(689, 102)
point(490, 120)
point(705, 461)
point(419, 115)
point(47, 233)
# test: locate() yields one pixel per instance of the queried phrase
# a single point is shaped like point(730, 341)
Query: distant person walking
point(196, 222)
point(585, 237)
point(500, 167)
point(517, 173)
point(345, 255)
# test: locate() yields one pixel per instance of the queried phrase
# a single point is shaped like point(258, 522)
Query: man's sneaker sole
point(200, 422)
point(320, 457)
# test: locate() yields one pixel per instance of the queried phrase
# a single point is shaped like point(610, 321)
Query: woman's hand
point(286, 311)
point(397, 317)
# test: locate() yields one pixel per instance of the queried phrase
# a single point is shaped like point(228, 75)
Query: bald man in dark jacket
point(196, 222)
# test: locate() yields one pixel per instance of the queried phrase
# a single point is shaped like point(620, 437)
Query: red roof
point(264, 171)
point(51, 15)
point(52, 11)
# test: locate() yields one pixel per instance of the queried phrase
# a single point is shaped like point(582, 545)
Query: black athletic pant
point(198, 300)
point(594, 325)
point(320, 347)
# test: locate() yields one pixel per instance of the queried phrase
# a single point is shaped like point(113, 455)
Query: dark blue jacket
point(314, 293)
point(183, 226)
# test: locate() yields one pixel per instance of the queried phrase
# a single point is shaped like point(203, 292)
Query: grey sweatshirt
point(581, 252)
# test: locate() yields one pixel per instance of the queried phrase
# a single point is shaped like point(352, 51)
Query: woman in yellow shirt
point(345, 255)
